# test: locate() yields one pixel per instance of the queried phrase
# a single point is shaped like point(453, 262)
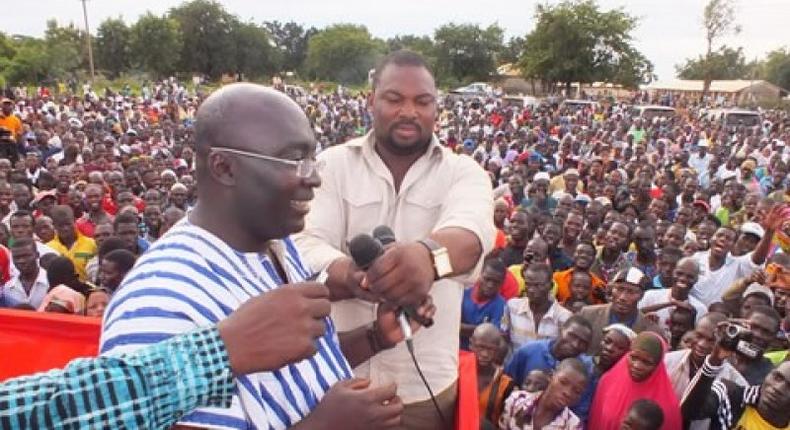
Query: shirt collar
point(368, 143)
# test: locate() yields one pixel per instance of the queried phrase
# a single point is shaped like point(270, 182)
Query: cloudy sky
point(668, 32)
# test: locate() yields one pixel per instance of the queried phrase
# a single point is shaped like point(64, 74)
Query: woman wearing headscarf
point(63, 299)
point(640, 374)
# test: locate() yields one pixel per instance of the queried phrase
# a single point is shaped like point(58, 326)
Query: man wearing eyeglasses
point(255, 165)
point(440, 207)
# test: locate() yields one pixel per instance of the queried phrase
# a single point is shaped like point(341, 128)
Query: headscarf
point(66, 297)
point(617, 391)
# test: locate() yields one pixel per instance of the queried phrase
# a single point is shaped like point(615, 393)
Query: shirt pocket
point(420, 212)
point(364, 210)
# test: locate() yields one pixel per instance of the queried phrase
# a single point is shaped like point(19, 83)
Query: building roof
point(731, 86)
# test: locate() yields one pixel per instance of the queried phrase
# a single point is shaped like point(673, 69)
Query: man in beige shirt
point(440, 206)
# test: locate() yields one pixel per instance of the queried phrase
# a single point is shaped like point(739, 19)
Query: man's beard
point(414, 148)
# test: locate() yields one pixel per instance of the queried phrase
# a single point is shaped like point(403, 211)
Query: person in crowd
point(228, 237)
point(536, 316)
point(44, 229)
point(69, 242)
point(493, 384)
point(520, 226)
point(731, 406)
point(719, 269)
point(627, 288)
point(552, 234)
point(64, 300)
point(549, 408)
point(545, 354)
point(640, 374)
point(482, 303)
point(96, 302)
point(114, 266)
point(169, 218)
point(668, 258)
point(95, 213)
point(127, 226)
point(660, 302)
point(536, 251)
point(611, 258)
point(536, 381)
point(615, 343)
point(21, 226)
point(583, 257)
point(644, 414)
point(435, 247)
point(644, 257)
point(30, 284)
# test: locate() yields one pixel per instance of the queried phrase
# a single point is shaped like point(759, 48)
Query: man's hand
point(389, 330)
point(347, 281)
point(773, 221)
point(355, 405)
point(276, 328)
point(403, 275)
point(758, 276)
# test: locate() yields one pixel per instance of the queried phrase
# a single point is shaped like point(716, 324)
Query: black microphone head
point(384, 234)
point(364, 249)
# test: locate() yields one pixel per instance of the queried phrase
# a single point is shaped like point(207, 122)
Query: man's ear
point(221, 169)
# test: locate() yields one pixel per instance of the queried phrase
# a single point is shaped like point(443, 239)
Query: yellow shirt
point(751, 420)
point(13, 123)
point(82, 250)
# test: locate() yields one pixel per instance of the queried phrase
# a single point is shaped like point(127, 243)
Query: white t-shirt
point(657, 297)
point(711, 284)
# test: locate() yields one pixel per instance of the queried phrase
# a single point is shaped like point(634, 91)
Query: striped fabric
point(190, 278)
point(150, 389)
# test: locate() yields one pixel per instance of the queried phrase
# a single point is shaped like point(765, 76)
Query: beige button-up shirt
point(357, 194)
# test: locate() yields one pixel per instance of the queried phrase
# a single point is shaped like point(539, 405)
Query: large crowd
point(639, 276)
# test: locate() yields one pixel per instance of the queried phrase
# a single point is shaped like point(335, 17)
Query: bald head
point(237, 110)
point(487, 332)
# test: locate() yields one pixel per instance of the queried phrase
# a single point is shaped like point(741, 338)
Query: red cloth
point(109, 205)
point(38, 341)
point(5, 265)
point(617, 391)
point(467, 415)
point(509, 287)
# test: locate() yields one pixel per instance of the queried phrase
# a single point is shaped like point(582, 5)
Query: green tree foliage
point(343, 53)
point(113, 46)
point(776, 67)
point(718, 19)
point(466, 52)
point(513, 50)
point(209, 47)
point(31, 63)
point(575, 41)
point(290, 42)
point(726, 63)
point(253, 52)
point(156, 44)
point(66, 49)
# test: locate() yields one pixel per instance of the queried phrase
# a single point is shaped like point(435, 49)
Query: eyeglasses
point(304, 167)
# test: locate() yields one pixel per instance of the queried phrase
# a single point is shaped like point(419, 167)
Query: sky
point(668, 31)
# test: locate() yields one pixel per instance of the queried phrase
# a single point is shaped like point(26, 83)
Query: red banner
point(34, 342)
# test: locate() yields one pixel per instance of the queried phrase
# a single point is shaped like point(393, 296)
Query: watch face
point(442, 263)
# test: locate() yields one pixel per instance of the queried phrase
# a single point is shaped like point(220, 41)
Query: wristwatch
point(440, 258)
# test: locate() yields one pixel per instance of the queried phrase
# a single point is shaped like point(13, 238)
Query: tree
point(113, 42)
point(343, 53)
point(776, 67)
point(65, 49)
point(210, 45)
point(156, 44)
point(726, 63)
point(513, 50)
point(718, 19)
point(253, 51)
point(290, 41)
point(574, 41)
point(467, 52)
point(31, 64)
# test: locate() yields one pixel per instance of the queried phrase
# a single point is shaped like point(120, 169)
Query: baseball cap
point(621, 328)
point(756, 288)
point(703, 204)
point(44, 194)
point(603, 200)
point(632, 275)
point(541, 176)
point(753, 228)
point(571, 172)
point(703, 143)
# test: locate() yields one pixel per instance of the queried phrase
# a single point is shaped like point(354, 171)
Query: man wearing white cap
point(627, 288)
point(537, 195)
point(749, 237)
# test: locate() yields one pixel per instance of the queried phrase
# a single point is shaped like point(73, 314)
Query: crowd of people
point(607, 271)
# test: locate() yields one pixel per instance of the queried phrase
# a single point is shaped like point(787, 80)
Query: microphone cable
point(410, 347)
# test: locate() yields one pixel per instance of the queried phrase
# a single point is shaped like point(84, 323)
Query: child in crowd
point(643, 415)
point(681, 321)
point(536, 380)
point(581, 285)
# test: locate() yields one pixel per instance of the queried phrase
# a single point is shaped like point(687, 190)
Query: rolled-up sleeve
point(322, 238)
